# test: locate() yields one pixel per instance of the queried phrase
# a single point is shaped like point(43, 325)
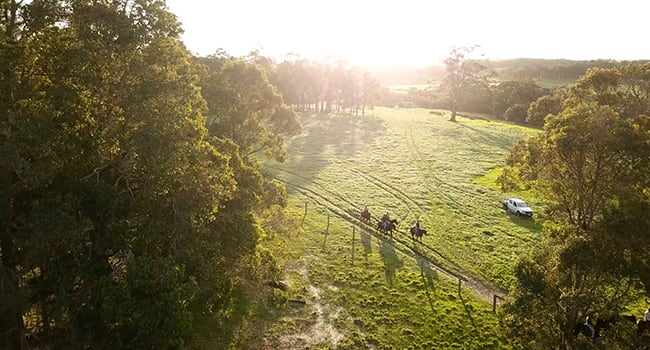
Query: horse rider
point(417, 226)
point(386, 217)
point(590, 325)
point(365, 209)
point(646, 315)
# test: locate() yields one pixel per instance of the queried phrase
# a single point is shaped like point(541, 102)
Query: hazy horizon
point(416, 33)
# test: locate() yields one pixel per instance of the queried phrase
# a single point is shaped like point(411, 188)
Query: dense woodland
point(133, 204)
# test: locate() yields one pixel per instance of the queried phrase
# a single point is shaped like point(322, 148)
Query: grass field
point(403, 89)
point(396, 293)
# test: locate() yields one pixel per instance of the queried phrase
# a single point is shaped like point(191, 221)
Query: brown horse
point(417, 234)
point(387, 226)
point(365, 217)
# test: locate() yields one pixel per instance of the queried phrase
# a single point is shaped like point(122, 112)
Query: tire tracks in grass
point(414, 250)
point(334, 208)
point(390, 189)
point(382, 185)
point(465, 208)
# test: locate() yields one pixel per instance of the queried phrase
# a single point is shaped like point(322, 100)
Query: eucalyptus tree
point(463, 75)
point(112, 188)
point(543, 106)
point(591, 167)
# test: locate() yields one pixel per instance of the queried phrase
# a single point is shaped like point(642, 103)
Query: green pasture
point(548, 83)
point(413, 163)
point(395, 293)
point(405, 88)
point(367, 293)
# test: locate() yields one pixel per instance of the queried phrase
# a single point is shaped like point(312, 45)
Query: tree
point(543, 106)
point(462, 74)
point(507, 94)
point(124, 223)
point(244, 107)
point(516, 113)
point(591, 167)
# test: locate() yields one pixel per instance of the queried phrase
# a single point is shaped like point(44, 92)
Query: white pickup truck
point(517, 207)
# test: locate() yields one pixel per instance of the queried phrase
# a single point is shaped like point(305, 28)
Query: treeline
point(547, 69)
point(132, 205)
point(321, 86)
point(521, 101)
point(591, 168)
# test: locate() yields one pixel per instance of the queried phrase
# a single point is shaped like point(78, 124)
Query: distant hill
point(509, 69)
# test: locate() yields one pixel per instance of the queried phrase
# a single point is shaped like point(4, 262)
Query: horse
point(601, 324)
point(417, 234)
point(387, 226)
point(365, 216)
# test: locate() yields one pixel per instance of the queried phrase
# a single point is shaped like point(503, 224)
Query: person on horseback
point(365, 210)
point(386, 217)
point(417, 226)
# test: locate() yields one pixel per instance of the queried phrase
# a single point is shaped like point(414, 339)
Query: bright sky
point(417, 32)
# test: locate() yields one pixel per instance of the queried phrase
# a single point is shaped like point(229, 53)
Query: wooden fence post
point(494, 302)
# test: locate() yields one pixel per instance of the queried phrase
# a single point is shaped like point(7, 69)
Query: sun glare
point(414, 32)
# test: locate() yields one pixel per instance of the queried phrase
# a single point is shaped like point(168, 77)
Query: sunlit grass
point(369, 293)
point(414, 164)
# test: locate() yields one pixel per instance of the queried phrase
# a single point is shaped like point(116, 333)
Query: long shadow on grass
point(428, 276)
point(366, 242)
point(326, 135)
point(391, 260)
point(527, 223)
point(468, 311)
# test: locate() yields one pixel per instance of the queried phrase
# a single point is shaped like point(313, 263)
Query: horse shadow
point(366, 242)
point(469, 310)
point(428, 276)
point(391, 261)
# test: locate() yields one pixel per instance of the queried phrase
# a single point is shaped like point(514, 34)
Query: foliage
point(463, 74)
point(126, 223)
point(323, 86)
point(516, 114)
point(543, 106)
point(591, 165)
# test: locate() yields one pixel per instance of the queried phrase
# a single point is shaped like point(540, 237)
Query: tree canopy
point(590, 165)
point(130, 197)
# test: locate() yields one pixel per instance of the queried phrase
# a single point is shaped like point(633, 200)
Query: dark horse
point(642, 326)
point(589, 330)
point(601, 324)
point(365, 216)
point(387, 226)
point(417, 234)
